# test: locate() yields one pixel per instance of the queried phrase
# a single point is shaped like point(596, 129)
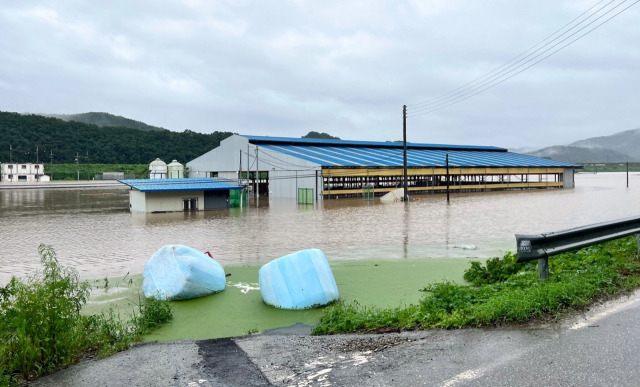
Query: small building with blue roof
point(285, 167)
point(168, 195)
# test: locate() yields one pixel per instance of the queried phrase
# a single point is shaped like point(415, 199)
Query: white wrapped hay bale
point(177, 272)
point(301, 280)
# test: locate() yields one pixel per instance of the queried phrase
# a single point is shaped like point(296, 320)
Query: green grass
point(502, 291)
point(88, 171)
point(609, 167)
point(42, 329)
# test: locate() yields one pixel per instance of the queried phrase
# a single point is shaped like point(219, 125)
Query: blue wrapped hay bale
point(301, 280)
point(177, 272)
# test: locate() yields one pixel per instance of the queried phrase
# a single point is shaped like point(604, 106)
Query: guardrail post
point(543, 269)
point(543, 246)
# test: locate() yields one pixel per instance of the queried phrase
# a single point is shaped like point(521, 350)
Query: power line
point(463, 87)
point(390, 156)
point(515, 68)
point(268, 154)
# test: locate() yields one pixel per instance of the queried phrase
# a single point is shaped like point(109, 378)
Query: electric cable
point(464, 87)
point(514, 71)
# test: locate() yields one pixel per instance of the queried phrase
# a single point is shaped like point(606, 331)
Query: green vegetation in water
point(609, 167)
point(42, 328)
point(239, 309)
point(502, 291)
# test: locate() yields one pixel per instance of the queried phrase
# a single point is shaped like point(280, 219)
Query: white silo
point(157, 169)
point(175, 170)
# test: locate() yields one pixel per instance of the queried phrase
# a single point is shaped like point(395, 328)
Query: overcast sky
point(284, 68)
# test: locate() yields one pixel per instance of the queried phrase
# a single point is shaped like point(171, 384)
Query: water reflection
point(405, 229)
point(93, 230)
point(447, 216)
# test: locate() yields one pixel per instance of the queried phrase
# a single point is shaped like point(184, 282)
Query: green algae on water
point(239, 309)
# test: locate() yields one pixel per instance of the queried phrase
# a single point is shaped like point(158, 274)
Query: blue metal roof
point(341, 153)
point(334, 156)
point(173, 185)
point(266, 140)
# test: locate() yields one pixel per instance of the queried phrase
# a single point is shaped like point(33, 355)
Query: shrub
point(39, 324)
point(503, 291)
point(42, 330)
point(494, 270)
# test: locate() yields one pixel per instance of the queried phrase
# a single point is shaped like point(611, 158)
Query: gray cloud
point(346, 68)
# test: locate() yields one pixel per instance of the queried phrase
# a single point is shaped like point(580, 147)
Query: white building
point(17, 172)
point(280, 174)
point(170, 195)
point(318, 168)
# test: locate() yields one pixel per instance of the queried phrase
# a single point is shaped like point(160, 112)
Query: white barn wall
point(283, 169)
point(285, 184)
point(225, 160)
point(137, 201)
point(162, 201)
point(172, 201)
point(568, 178)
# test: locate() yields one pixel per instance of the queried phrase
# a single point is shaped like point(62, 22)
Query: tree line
point(34, 138)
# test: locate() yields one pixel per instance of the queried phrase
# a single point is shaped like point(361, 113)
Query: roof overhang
point(176, 185)
point(266, 140)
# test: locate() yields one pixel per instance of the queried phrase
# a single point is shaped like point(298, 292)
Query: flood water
point(93, 231)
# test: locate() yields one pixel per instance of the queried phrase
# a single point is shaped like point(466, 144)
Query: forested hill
point(616, 148)
point(104, 119)
point(93, 144)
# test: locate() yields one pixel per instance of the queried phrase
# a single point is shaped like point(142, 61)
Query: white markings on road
point(589, 321)
point(464, 376)
point(318, 375)
point(320, 369)
point(360, 358)
point(198, 383)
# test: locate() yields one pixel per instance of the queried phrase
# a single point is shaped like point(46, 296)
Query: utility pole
point(257, 180)
point(38, 162)
point(51, 156)
point(405, 197)
point(77, 166)
point(447, 178)
point(240, 168)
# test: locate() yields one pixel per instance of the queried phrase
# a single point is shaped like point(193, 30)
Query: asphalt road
point(597, 348)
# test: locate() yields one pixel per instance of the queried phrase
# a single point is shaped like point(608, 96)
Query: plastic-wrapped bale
point(177, 272)
point(301, 280)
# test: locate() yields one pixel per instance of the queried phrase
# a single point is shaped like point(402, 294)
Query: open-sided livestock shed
point(334, 168)
point(166, 195)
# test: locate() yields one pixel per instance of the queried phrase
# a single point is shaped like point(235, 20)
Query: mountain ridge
point(615, 148)
point(27, 138)
point(619, 147)
point(103, 119)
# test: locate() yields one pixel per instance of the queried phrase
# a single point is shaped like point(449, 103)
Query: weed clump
point(494, 270)
point(502, 291)
point(42, 329)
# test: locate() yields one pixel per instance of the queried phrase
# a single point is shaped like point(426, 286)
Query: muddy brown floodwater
point(93, 231)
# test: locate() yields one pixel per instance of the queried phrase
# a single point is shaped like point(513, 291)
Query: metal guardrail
point(543, 246)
